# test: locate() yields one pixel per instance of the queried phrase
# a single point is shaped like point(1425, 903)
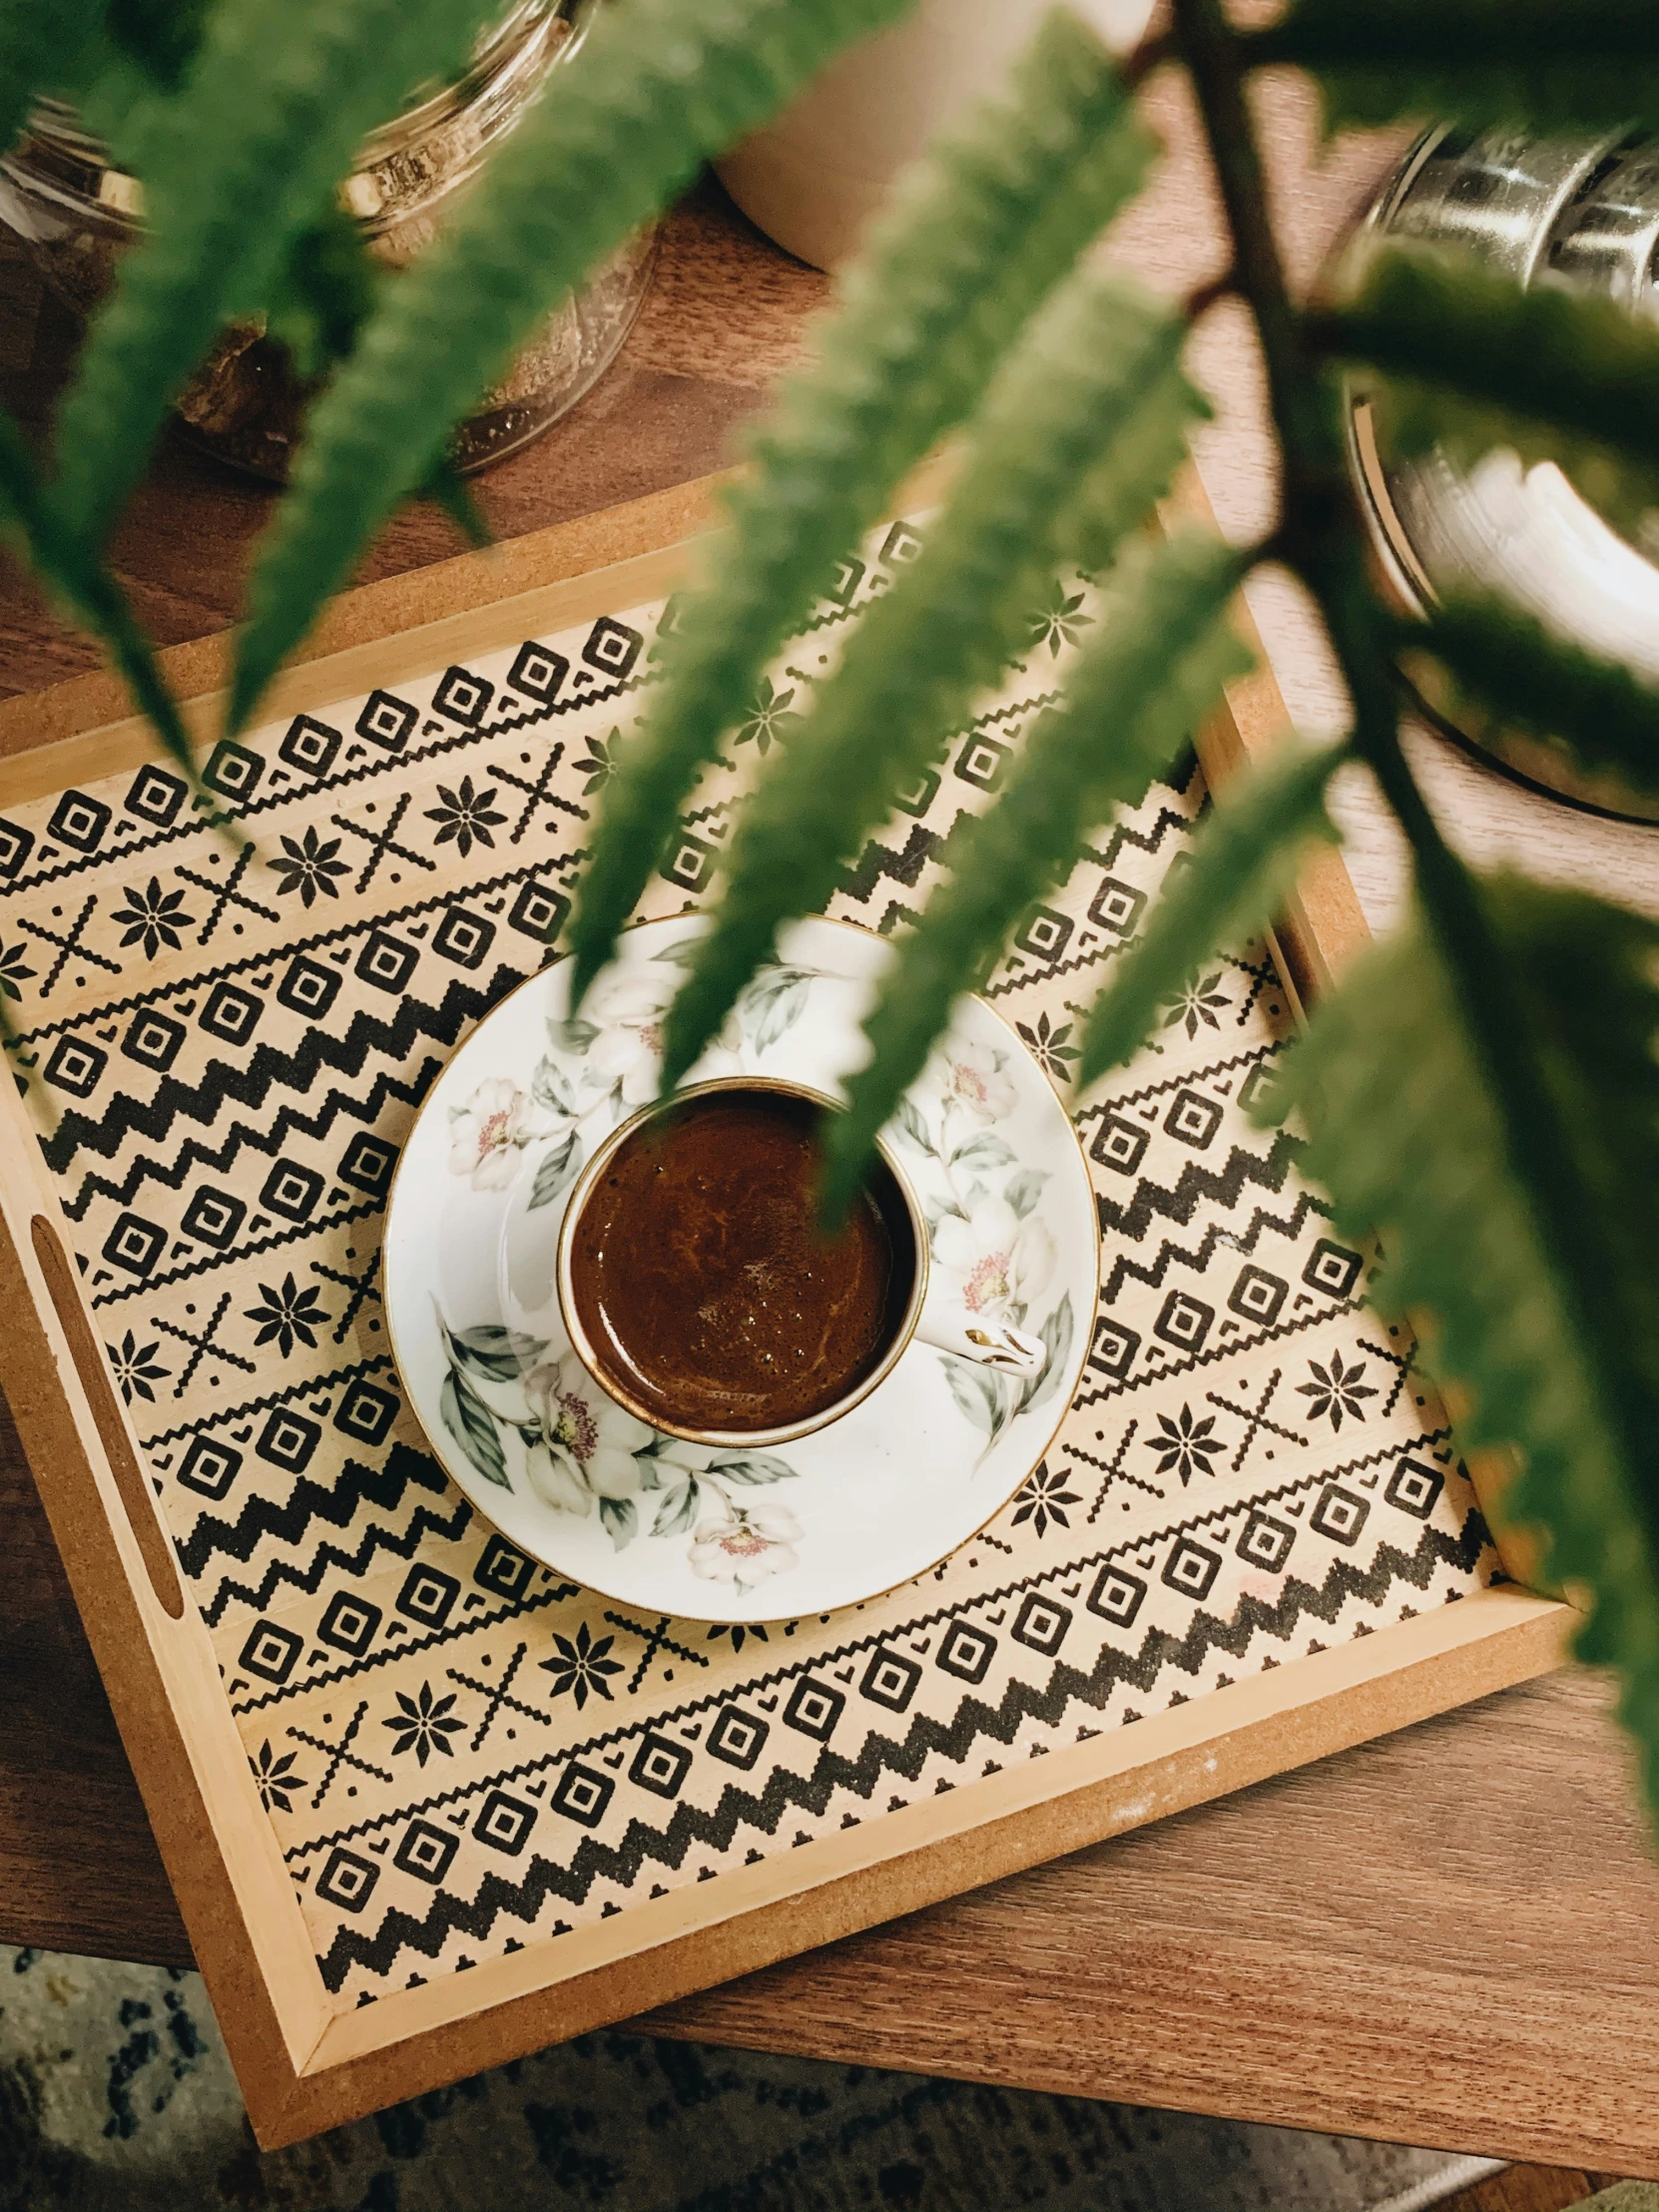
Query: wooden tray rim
point(302, 2065)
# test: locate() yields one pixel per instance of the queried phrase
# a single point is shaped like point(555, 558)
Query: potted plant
point(1484, 1086)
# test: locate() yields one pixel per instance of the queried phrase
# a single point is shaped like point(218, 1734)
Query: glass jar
point(75, 210)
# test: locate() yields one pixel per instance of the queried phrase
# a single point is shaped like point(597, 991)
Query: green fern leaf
point(656, 87)
point(1117, 493)
point(975, 238)
point(276, 104)
point(1243, 861)
point(450, 493)
point(1581, 366)
point(1533, 64)
point(1133, 701)
point(1597, 712)
point(41, 42)
point(324, 296)
point(947, 627)
point(160, 36)
point(1407, 1141)
point(87, 591)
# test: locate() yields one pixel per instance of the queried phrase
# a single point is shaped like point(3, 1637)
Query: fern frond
point(975, 239)
point(1407, 1141)
point(273, 109)
point(450, 493)
point(323, 292)
point(1533, 64)
point(1581, 366)
point(656, 88)
point(1242, 862)
point(40, 42)
point(1117, 493)
point(1134, 699)
point(327, 292)
point(86, 590)
point(946, 629)
point(1505, 661)
point(160, 36)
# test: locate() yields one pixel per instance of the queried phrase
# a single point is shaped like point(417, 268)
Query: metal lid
point(1582, 211)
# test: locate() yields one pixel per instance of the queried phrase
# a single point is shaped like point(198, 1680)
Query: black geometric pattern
point(228, 1111)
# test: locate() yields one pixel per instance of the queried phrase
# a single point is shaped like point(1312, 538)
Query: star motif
point(286, 1315)
point(155, 916)
point(1195, 1005)
point(12, 970)
point(466, 817)
point(1186, 1447)
point(276, 1778)
point(1059, 621)
point(599, 763)
point(1335, 1389)
point(134, 1368)
point(1049, 1047)
point(579, 1666)
point(422, 1724)
point(770, 721)
point(1042, 1497)
point(308, 866)
point(738, 1634)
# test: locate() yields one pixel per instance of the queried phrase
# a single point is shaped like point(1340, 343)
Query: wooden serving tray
point(1249, 1545)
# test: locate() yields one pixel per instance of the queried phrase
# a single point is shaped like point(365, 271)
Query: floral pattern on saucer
point(518, 1413)
point(582, 1484)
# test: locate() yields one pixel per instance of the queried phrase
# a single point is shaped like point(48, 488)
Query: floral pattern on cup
point(992, 1251)
point(606, 1062)
point(522, 1417)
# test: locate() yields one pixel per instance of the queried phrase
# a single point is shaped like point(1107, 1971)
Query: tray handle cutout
point(88, 1356)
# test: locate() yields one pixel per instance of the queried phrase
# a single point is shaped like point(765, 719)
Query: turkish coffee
point(701, 1277)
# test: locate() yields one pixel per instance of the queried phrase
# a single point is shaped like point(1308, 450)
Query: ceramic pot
point(812, 179)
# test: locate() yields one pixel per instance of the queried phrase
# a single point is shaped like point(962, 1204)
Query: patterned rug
point(116, 2096)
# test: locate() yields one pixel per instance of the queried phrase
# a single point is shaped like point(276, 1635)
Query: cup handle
point(990, 1343)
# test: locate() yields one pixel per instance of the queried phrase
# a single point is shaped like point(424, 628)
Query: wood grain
point(1528, 2189)
point(1450, 1935)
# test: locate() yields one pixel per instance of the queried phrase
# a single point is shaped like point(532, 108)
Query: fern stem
point(1319, 534)
point(972, 244)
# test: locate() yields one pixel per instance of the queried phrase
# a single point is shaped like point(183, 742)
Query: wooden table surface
point(1449, 1936)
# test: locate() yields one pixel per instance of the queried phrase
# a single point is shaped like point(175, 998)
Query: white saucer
point(837, 1516)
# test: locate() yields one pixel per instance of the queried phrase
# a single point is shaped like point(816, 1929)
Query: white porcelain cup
point(927, 1317)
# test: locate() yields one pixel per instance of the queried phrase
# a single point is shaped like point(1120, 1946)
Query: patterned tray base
point(460, 1752)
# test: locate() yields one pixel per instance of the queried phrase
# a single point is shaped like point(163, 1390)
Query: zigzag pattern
point(263, 1518)
point(309, 1386)
point(267, 1069)
point(383, 764)
point(289, 1122)
point(1086, 1114)
point(152, 1283)
point(1199, 1185)
point(1212, 1520)
point(534, 1603)
point(879, 860)
point(1027, 974)
point(1152, 1377)
point(974, 1721)
point(1148, 840)
point(422, 1522)
point(1288, 1226)
point(549, 864)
